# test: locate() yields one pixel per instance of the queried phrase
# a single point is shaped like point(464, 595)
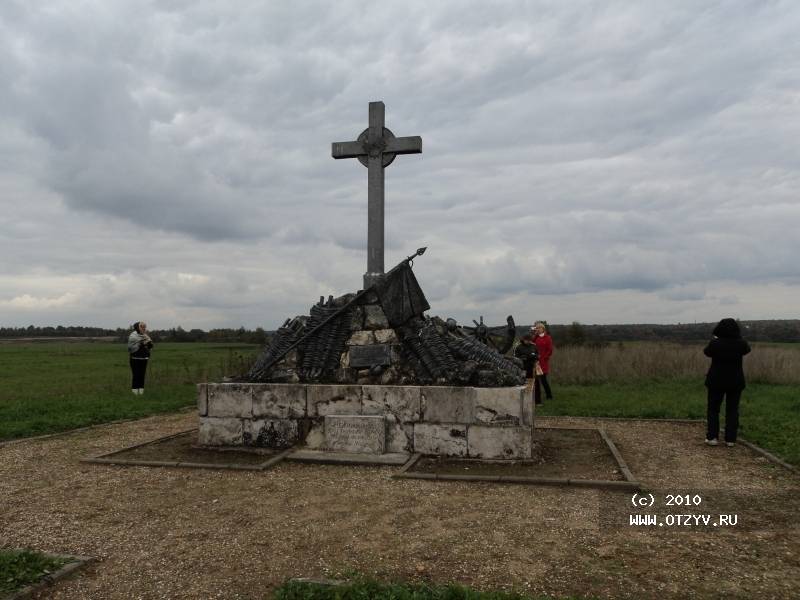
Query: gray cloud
point(601, 162)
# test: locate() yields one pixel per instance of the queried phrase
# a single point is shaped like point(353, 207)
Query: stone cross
point(376, 148)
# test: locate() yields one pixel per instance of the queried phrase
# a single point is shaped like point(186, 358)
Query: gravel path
point(171, 533)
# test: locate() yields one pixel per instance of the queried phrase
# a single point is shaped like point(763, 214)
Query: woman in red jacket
point(544, 344)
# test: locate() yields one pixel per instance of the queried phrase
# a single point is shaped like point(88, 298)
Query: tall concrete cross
point(376, 148)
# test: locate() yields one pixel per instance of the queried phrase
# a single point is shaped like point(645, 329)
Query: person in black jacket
point(725, 379)
point(527, 352)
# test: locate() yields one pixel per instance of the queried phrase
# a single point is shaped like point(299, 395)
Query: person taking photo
point(139, 346)
point(544, 346)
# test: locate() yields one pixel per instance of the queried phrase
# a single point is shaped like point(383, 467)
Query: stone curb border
point(769, 455)
point(90, 427)
point(75, 563)
point(630, 483)
point(410, 463)
point(623, 466)
point(758, 449)
point(105, 459)
point(328, 582)
point(344, 459)
point(591, 483)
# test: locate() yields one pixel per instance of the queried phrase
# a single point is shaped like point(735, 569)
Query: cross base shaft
point(371, 279)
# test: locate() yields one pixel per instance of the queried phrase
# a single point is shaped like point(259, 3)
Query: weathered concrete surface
point(315, 437)
point(202, 399)
point(404, 402)
point(230, 400)
point(528, 410)
point(334, 399)
point(448, 404)
point(361, 338)
point(498, 442)
point(375, 318)
point(348, 458)
point(440, 439)
point(399, 436)
point(279, 401)
point(270, 433)
point(386, 336)
point(220, 432)
point(355, 433)
point(451, 421)
point(498, 405)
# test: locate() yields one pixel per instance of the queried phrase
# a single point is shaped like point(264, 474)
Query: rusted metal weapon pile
point(413, 349)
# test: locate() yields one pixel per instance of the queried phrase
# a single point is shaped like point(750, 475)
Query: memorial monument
point(376, 148)
point(369, 371)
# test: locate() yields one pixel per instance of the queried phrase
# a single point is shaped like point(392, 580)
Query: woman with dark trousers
point(725, 379)
point(139, 346)
point(544, 346)
point(527, 353)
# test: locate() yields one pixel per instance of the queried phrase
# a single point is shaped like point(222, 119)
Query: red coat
point(544, 344)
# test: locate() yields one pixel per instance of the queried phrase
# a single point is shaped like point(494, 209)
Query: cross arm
point(405, 145)
point(347, 149)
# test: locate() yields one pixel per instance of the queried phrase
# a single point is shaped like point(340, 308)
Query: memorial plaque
point(370, 356)
point(356, 433)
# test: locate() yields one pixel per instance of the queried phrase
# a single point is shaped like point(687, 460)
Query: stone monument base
point(490, 423)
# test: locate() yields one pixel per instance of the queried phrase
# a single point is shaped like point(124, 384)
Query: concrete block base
point(216, 431)
point(490, 423)
point(499, 442)
point(440, 439)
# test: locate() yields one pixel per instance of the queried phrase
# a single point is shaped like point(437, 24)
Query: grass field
point(650, 380)
point(636, 361)
point(769, 414)
point(54, 386)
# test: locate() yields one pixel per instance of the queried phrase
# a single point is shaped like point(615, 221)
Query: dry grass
point(767, 363)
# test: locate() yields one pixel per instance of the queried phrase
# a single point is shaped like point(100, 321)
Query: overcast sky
point(601, 162)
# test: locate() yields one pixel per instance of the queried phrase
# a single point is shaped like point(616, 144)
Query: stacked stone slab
point(488, 423)
point(369, 330)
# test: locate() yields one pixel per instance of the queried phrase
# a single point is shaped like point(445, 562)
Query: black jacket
point(527, 353)
point(726, 371)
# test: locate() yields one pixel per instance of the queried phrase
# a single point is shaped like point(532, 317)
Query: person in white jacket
point(139, 346)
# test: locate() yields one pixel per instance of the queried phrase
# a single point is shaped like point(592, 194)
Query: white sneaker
point(135, 391)
point(141, 391)
point(712, 442)
point(730, 444)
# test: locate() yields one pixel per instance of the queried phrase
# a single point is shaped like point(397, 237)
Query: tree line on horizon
point(577, 334)
point(174, 334)
point(573, 334)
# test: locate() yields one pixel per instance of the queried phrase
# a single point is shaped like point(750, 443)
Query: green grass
point(55, 386)
point(373, 590)
point(769, 414)
point(51, 387)
point(19, 568)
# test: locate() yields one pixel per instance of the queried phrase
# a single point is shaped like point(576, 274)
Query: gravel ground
point(558, 452)
point(173, 533)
